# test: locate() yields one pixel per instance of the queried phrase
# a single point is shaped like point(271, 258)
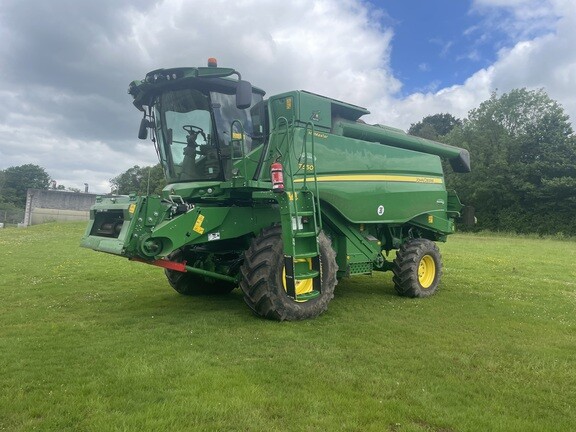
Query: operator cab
point(201, 120)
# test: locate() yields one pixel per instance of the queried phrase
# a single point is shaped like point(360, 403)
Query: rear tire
point(417, 268)
point(192, 284)
point(263, 282)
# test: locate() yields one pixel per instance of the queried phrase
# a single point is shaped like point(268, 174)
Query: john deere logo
point(315, 116)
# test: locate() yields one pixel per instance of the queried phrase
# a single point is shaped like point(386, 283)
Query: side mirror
point(143, 131)
point(243, 94)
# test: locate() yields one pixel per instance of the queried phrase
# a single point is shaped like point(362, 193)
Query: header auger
point(279, 196)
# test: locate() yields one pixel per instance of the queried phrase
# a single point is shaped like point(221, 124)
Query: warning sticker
point(198, 225)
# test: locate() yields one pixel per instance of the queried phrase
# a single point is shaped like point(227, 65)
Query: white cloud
point(70, 113)
point(330, 47)
point(521, 19)
point(445, 46)
point(339, 49)
point(424, 67)
point(547, 61)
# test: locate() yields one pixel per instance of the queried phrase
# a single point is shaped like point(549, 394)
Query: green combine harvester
point(280, 196)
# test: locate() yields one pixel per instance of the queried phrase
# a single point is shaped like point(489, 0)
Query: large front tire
point(417, 268)
point(263, 279)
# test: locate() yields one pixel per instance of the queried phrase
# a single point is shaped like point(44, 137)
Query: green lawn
point(92, 342)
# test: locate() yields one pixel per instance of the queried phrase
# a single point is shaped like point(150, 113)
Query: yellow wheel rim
point(303, 286)
point(426, 271)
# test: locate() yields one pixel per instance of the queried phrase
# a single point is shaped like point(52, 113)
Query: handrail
point(287, 124)
point(283, 121)
point(316, 199)
point(292, 194)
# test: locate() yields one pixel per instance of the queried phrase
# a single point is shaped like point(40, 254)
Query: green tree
point(17, 180)
point(9, 213)
point(435, 126)
point(140, 180)
point(523, 152)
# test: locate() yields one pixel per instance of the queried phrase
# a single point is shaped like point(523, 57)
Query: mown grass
point(92, 342)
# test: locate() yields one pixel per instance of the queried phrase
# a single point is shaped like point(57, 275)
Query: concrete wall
point(47, 205)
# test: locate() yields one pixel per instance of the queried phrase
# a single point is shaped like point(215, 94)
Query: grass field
point(92, 342)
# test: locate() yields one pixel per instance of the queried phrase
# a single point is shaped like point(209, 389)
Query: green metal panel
point(356, 250)
point(206, 224)
point(147, 220)
point(305, 107)
point(370, 182)
point(316, 110)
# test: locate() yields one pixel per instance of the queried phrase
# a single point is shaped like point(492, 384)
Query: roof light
point(212, 62)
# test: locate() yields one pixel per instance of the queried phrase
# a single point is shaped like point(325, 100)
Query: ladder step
point(307, 274)
point(308, 296)
point(305, 213)
point(306, 255)
point(305, 234)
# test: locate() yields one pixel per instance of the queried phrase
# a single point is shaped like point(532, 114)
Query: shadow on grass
point(155, 301)
point(366, 286)
point(164, 299)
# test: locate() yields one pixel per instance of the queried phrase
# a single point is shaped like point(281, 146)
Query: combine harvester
point(281, 196)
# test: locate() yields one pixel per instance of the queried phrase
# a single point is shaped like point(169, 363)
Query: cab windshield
point(195, 131)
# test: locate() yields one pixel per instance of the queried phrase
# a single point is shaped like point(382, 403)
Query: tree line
point(523, 152)
point(14, 183)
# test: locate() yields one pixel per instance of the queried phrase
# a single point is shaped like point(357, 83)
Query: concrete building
point(48, 205)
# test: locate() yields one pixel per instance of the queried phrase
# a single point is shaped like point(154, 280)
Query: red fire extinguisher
point(277, 177)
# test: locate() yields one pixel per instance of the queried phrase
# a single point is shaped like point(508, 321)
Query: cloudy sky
point(65, 65)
